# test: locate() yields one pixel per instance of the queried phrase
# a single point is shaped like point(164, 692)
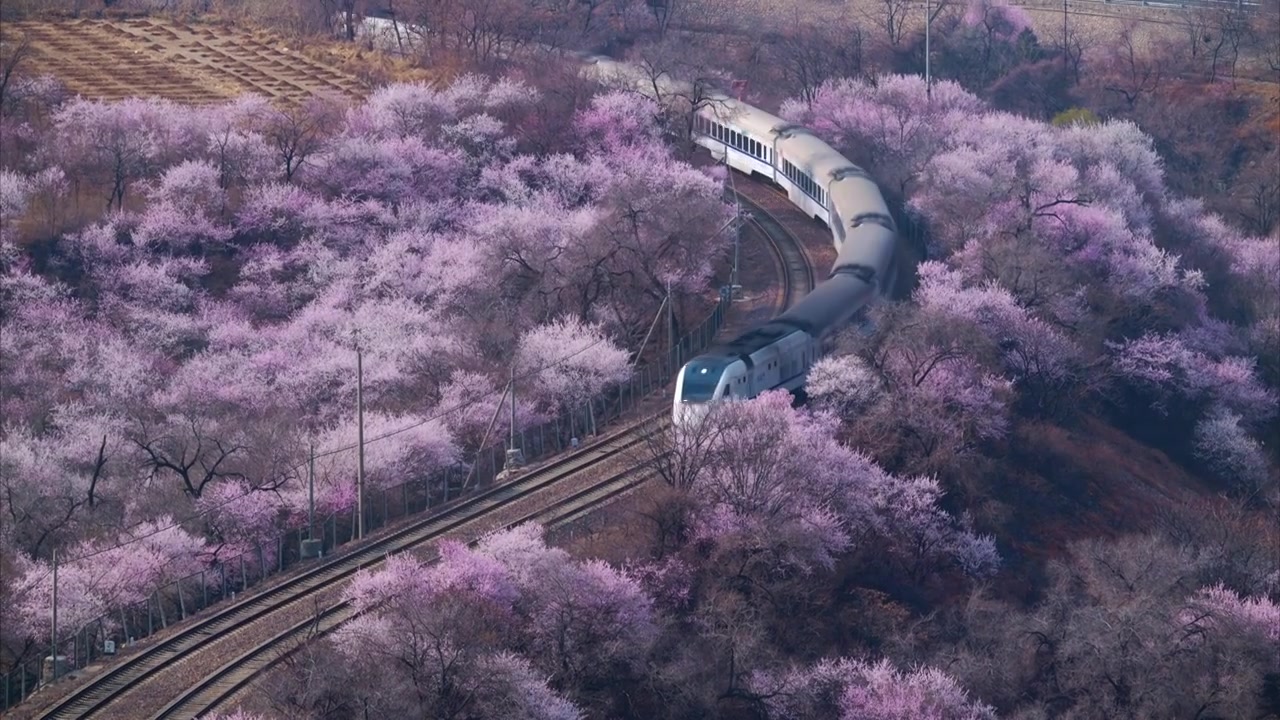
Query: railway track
point(210, 694)
point(217, 689)
point(253, 616)
point(261, 614)
point(797, 272)
point(797, 275)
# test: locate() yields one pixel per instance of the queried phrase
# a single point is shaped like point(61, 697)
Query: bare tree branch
point(97, 470)
point(12, 55)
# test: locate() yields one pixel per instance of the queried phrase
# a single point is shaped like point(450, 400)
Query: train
point(817, 179)
point(824, 185)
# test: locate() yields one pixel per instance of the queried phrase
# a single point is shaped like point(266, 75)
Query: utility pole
point(737, 213)
point(671, 329)
point(928, 26)
point(360, 442)
point(484, 442)
point(515, 457)
point(735, 283)
point(661, 309)
point(311, 494)
point(1064, 30)
point(311, 547)
point(54, 633)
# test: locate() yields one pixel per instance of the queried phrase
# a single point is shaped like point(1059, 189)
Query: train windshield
point(701, 376)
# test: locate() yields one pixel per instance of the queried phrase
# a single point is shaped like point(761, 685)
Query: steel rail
point(97, 694)
point(213, 691)
point(209, 694)
point(797, 272)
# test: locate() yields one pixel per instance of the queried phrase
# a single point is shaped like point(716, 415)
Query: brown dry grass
point(1061, 484)
point(1266, 122)
point(204, 62)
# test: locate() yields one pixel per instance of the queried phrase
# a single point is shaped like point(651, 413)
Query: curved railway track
point(797, 273)
point(254, 615)
point(217, 689)
point(209, 694)
point(262, 614)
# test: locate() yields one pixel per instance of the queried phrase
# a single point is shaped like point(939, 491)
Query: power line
point(138, 538)
point(1083, 11)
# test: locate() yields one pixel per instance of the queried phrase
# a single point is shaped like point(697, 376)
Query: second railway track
point(253, 615)
point(210, 694)
point(797, 272)
point(263, 614)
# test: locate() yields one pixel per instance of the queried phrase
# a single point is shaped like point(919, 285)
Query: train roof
point(809, 153)
point(869, 245)
point(752, 120)
point(757, 338)
point(855, 189)
point(830, 304)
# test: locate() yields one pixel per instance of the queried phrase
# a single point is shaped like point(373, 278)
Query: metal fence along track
point(140, 668)
point(232, 577)
point(209, 694)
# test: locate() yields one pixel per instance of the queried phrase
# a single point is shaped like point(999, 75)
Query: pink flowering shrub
point(853, 689)
point(511, 609)
point(114, 573)
point(778, 489)
point(591, 362)
point(1220, 606)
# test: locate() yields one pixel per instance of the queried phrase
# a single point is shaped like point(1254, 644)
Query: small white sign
point(109, 647)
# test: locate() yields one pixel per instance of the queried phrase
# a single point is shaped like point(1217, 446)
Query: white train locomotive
point(825, 185)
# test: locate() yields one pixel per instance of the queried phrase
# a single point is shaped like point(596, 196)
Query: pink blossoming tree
point(853, 689)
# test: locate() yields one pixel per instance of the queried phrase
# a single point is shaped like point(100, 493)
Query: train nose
point(690, 413)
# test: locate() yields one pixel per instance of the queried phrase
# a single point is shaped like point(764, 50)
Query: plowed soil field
point(113, 59)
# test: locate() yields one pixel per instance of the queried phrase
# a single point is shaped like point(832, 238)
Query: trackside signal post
point(311, 547)
point(515, 455)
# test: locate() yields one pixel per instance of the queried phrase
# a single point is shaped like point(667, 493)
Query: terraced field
point(113, 59)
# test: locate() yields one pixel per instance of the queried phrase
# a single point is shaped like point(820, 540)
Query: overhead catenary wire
point(285, 475)
point(288, 473)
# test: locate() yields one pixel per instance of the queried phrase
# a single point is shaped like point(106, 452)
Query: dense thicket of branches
point(184, 290)
point(776, 572)
point(1067, 279)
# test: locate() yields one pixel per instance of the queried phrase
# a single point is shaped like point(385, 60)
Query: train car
point(738, 135)
point(827, 186)
point(822, 183)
